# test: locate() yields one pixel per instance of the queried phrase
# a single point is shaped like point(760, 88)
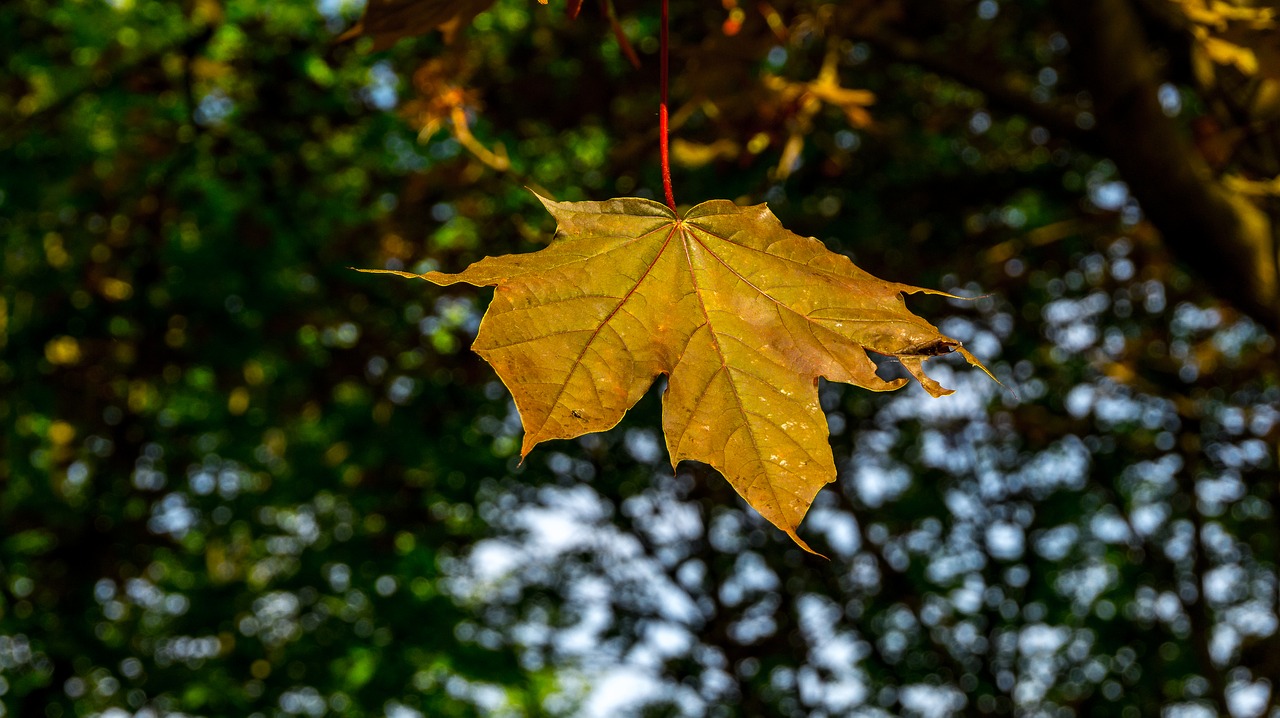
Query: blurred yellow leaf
point(1226, 53)
point(238, 401)
point(1234, 34)
point(61, 433)
point(694, 154)
point(115, 289)
point(206, 12)
point(808, 98)
point(62, 350)
point(203, 68)
point(1253, 188)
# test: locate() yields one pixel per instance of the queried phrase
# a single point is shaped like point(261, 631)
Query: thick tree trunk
point(1219, 234)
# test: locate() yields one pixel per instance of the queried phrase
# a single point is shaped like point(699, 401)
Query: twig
point(187, 46)
point(1058, 119)
point(606, 7)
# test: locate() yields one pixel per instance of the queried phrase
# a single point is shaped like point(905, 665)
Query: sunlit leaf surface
point(743, 315)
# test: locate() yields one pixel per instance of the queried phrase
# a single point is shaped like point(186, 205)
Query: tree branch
point(187, 46)
point(1219, 234)
point(1000, 91)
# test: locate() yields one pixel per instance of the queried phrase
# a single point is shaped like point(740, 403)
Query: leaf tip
point(973, 360)
point(546, 201)
point(527, 445)
point(397, 272)
point(437, 278)
point(800, 542)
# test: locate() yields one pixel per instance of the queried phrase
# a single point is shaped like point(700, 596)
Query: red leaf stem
point(663, 130)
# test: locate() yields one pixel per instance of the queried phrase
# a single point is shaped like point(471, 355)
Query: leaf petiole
point(663, 129)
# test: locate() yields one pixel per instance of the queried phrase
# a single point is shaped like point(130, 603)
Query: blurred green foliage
point(211, 498)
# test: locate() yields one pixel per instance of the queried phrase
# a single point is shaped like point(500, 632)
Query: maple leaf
point(743, 316)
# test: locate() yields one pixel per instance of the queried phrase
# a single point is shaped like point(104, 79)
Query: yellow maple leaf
point(740, 313)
